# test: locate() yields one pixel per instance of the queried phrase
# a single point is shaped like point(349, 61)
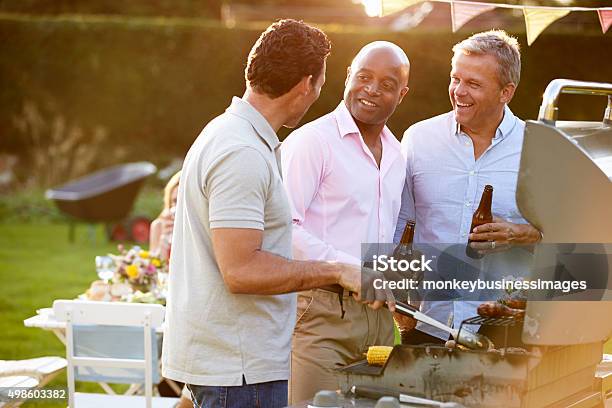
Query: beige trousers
point(324, 341)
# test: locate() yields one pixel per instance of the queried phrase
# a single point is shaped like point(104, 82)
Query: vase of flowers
point(138, 268)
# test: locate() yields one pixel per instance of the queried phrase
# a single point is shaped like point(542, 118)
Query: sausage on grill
point(514, 303)
point(496, 309)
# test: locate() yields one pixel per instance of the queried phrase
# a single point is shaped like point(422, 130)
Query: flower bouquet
point(138, 268)
point(133, 275)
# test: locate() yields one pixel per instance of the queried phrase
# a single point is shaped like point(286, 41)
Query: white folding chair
point(27, 375)
point(111, 343)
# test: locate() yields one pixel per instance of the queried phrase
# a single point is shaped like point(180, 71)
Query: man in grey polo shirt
point(230, 312)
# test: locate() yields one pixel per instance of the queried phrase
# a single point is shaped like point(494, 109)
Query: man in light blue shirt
point(451, 157)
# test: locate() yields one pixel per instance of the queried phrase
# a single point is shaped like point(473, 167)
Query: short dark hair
point(285, 53)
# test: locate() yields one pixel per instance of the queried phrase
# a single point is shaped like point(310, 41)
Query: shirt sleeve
point(304, 158)
point(407, 209)
point(236, 186)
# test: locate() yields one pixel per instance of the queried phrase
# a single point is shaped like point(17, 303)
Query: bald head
point(391, 52)
point(376, 83)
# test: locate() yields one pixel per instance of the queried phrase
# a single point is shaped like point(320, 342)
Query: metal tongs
point(464, 336)
point(377, 392)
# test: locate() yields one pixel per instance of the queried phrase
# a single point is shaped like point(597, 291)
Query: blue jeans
point(271, 394)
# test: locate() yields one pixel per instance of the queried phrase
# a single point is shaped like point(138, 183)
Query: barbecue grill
point(564, 189)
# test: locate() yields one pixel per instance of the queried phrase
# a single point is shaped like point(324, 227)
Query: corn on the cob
point(378, 355)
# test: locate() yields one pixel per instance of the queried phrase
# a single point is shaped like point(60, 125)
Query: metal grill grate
point(493, 321)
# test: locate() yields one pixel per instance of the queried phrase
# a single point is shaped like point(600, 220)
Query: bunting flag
point(462, 12)
point(537, 19)
point(393, 6)
point(605, 18)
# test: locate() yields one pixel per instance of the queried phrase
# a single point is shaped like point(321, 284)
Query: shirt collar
point(507, 124)
point(347, 125)
point(504, 129)
point(245, 110)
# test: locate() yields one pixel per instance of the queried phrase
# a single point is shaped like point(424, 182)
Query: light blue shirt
point(443, 187)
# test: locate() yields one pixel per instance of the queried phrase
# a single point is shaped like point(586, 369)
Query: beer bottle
point(405, 251)
point(481, 216)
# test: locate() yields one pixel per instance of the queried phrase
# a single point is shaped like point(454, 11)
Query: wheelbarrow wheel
point(117, 232)
point(139, 229)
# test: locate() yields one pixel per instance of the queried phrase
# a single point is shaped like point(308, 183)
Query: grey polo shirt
point(230, 179)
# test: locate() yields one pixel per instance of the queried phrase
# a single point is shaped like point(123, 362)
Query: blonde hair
point(500, 45)
point(172, 184)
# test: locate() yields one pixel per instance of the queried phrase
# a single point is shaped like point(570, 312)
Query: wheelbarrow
point(106, 196)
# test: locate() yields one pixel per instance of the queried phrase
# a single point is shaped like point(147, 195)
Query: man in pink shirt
point(344, 175)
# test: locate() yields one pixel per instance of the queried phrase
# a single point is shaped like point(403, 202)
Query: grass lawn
point(37, 266)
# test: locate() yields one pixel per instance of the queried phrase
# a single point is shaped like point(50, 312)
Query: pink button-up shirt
point(339, 196)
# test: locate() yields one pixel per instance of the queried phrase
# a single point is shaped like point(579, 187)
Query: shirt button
point(463, 235)
point(472, 173)
point(468, 203)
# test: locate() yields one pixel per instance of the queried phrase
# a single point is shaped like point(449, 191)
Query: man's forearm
point(270, 274)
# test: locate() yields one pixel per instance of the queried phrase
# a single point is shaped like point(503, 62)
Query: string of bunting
point(537, 18)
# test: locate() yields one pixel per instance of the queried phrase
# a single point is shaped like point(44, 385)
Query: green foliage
point(150, 200)
point(208, 8)
point(31, 206)
point(168, 8)
point(27, 205)
point(151, 84)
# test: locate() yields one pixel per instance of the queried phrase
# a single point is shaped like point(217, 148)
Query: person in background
point(160, 235)
point(160, 241)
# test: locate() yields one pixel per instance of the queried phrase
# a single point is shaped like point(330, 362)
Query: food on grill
point(514, 303)
point(496, 309)
point(450, 344)
point(515, 350)
point(378, 355)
